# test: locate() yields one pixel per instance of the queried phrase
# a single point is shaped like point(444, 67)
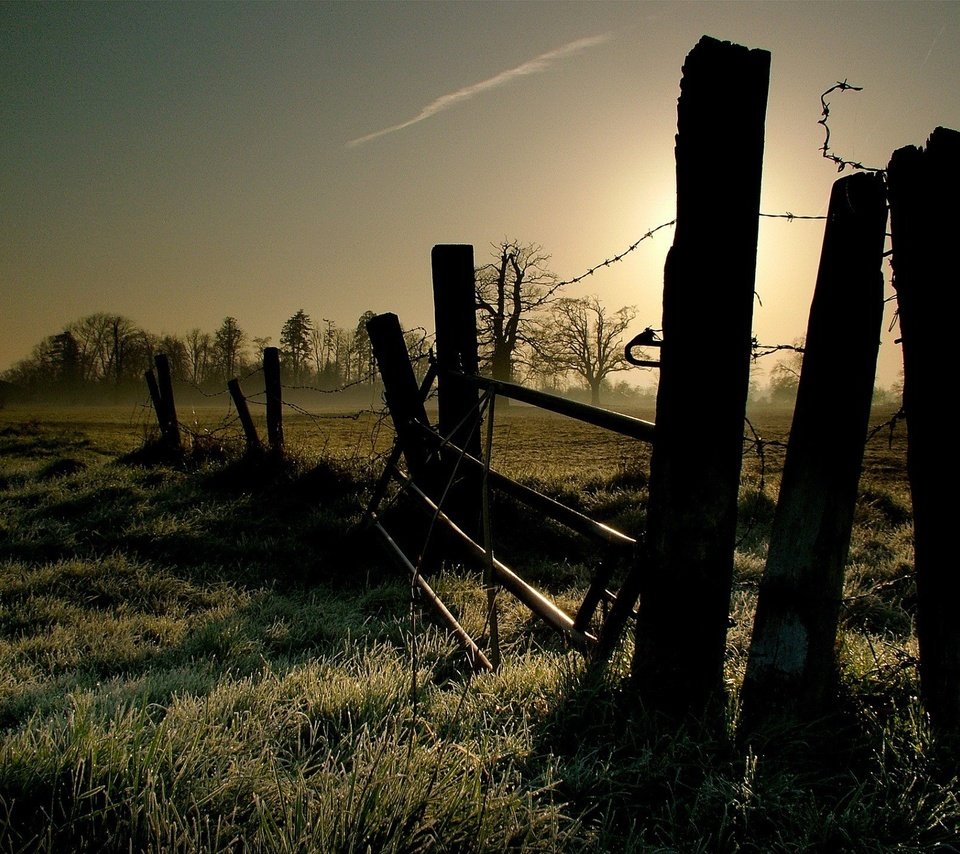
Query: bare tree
point(785, 374)
point(109, 346)
point(199, 354)
point(509, 291)
point(178, 355)
point(582, 338)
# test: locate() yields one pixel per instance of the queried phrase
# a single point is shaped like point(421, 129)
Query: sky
point(180, 162)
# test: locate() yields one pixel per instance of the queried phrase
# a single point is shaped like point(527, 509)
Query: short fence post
point(243, 412)
point(791, 670)
point(455, 313)
point(687, 574)
point(154, 390)
point(274, 395)
point(924, 187)
point(169, 427)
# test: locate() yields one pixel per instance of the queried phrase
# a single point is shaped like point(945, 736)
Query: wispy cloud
point(533, 66)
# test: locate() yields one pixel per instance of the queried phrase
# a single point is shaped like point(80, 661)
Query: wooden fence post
point(924, 186)
point(169, 427)
point(708, 296)
point(274, 395)
point(455, 313)
point(403, 397)
point(155, 398)
point(791, 669)
point(243, 412)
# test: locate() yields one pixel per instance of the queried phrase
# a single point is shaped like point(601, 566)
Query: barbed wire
point(758, 350)
point(790, 216)
point(890, 423)
point(787, 215)
point(758, 445)
point(199, 389)
point(337, 390)
point(842, 163)
point(618, 257)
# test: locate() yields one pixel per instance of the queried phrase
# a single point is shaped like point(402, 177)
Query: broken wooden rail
point(530, 596)
point(476, 657)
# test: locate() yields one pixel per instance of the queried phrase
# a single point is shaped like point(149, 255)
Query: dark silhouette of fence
point(681, 565)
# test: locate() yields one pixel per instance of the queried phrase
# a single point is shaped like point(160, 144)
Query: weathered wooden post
point(705, 362)
point(274, 395)
point(169, 427)
point(403, 398)
point(455, 313)
point(155, 398)
point(923, 187)
point(243, 413)
point(791, 669)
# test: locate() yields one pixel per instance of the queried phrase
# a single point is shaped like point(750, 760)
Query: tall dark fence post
point(454, 302)
point(274, 395)
point(791, 669)
point(243, 412)
point(924, 189)
point(169, 426)
point(403, 396)
point(705, 361)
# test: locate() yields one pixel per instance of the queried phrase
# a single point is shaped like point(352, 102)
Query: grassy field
point(214, 657)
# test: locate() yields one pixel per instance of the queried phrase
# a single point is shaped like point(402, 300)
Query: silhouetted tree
point(582, 338)
point(785, 375)
point(228, 345)
point(509, 290)
point(328, 345)
point(295, 338)
point(199, 346)
point(365, 366)
point(109, 347)
point(178, 356)
point(418, 346)
point(66, 355)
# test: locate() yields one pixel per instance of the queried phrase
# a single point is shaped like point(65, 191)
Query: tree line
point(528, 332)
point(105, 351)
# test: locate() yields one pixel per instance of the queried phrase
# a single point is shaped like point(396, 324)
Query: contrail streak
point(451, 99)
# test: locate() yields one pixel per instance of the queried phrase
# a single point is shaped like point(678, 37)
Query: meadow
point(213, 655)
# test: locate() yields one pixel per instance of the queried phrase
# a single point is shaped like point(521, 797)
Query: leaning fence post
point(403, 397)
point(791, 669)
point(243, 413)
point(155, 398)
point(169, 427)
point(924, 186)
point(274, 395)
point(455, 313)
point(708, 296)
